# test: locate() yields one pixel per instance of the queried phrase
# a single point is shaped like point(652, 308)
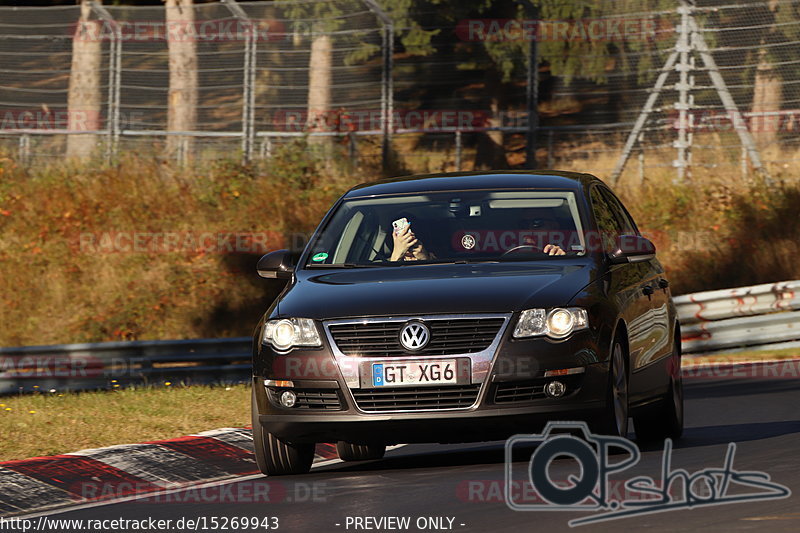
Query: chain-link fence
point(660, 85)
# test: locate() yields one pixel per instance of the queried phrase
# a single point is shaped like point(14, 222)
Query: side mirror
point(277, 264)
point(632, 249)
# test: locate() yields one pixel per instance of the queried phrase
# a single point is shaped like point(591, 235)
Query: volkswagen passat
point(464, 307)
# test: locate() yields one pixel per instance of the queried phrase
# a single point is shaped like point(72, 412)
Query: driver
point(540, 220)
point(554, 249)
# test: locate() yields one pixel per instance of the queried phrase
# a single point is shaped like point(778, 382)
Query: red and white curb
point(103, 474)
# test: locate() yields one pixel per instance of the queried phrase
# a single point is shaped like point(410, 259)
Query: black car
point(464, 307)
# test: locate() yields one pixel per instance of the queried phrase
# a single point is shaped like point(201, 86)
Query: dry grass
point(52, 290)
point(716, 231)
point(49, 424)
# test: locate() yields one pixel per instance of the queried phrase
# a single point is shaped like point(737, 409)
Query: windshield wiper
point(343, 265)
point(453, 262)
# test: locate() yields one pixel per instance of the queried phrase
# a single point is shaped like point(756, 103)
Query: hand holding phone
point(400, 225)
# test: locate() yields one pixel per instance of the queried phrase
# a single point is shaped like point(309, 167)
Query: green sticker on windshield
point(322, 256)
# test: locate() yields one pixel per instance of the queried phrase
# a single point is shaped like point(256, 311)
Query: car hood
point(423, 289)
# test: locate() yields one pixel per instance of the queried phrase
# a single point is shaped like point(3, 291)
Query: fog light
point(288, 398)
point(555, 389)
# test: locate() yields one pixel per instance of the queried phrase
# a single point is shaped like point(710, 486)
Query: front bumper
point(509, 398)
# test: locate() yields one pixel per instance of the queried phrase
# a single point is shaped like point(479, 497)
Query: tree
point(327, 17)
point(320, 64)
point(767, 86)
point(326, 20)
point(83, 99)
point(182, 99)
point(764, 49)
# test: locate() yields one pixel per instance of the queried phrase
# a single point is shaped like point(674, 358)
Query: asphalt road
point(464, 482)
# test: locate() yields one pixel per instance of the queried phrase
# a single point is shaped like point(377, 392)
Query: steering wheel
point(515, 249)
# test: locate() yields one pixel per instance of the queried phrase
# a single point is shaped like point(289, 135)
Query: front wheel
point(667, 420)
point(359, 452)
point(614, 420)
point(276, 457)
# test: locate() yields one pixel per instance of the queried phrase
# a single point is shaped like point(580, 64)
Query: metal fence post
point(24, 148)
point(248, 80)
point(641, 166)
point(459, 149)
point(743, 163)
point(352, 149)
point(114, 73)
point(727, 100)
point(266, 147)
point(532, 92)
point(387, 84)
point(682, 106)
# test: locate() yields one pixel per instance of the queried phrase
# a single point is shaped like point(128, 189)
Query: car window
point(608, 224)
point(626, 222)
point(452, 226)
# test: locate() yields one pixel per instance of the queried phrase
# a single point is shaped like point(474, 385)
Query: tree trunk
point(490, 151)
point(767, 94)
point(319, 87)
point(182, 112)
point(83, 99)
point(767, 97)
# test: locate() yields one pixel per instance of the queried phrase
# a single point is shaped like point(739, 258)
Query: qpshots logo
point(592, 489)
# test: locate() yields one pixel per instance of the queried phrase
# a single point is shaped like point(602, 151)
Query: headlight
point(556, 323)
point(287, 333)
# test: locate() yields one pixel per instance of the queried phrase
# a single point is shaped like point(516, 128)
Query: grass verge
point(48, 424)
point(69, 271)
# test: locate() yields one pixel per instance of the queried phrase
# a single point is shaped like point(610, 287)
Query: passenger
point(407, 247)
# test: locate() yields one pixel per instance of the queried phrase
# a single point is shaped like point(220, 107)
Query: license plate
point(410, 373)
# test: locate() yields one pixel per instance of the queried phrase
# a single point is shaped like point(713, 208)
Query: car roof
point(494, 179)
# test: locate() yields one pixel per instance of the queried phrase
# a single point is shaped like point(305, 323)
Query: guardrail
point(758, 317)
point(106, 364)
point(745, 318)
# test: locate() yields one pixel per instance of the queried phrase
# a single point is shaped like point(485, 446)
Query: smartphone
point(400, 224)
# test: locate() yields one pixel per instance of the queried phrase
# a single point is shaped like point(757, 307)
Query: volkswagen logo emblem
point(414, 336)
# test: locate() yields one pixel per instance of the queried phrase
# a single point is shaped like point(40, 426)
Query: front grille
point(448, 337)
point(416, 398)
point(318, 399)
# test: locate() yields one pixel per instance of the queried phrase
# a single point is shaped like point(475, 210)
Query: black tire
point(276, 457)
point(614, 420)
point(665, 421)
point(359, 452)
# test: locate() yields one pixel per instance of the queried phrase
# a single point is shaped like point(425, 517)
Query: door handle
point(663, 283)
point(647, 290)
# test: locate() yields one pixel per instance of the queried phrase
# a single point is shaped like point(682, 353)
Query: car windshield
point(447, 227)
